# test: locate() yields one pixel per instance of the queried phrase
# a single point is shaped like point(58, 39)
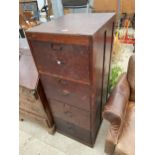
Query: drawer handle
point(67, 110)
point(62, 82)
point(71, 129)
point(66, 92)
point(56, 47)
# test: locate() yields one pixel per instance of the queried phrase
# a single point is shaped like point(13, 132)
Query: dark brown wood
point(72, 55)
point(73, 131)
point(70, 113)
point(59, 59)
point(69, 39)
point(72, 25)
point(75, 94)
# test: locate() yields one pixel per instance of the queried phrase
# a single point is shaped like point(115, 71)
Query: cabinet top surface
point(74, 24)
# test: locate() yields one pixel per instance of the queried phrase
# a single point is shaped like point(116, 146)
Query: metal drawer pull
point(67, 110)
point(66, 92)
point(56, 47)
point(63, 82)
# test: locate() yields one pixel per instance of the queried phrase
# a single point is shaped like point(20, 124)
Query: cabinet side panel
point(97, 58)
point(102, 48)
point(108, 41)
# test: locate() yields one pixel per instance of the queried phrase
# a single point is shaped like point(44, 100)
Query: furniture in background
point(28, 15)
point(30, 6)
point(72, 55)
point(61, 7)
point(120, 112)
point(32, 101)
point(57, 8)
point(47, 8)
point(74, 4)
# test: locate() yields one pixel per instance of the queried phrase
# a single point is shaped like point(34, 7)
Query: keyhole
point(58, 62)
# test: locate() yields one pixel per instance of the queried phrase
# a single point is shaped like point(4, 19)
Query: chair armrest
point(116, 105)
point(114, 112)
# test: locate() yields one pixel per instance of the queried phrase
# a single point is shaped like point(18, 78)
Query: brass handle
point(67, 110)
point(66, 92)
point(63, 82)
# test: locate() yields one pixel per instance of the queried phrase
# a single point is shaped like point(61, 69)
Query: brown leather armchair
point(120, 112)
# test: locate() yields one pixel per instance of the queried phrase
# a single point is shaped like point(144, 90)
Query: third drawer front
point(70, 114)
point(66, 91)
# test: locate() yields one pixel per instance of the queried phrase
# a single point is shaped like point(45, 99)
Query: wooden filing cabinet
point(72, 55)
point(33, 104)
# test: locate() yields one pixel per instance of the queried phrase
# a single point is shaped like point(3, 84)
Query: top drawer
point(66, 60)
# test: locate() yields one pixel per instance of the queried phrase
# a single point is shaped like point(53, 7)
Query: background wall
point(127, 6)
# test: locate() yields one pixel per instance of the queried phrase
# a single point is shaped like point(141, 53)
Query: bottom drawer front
point(70, 114)
point(73, 131)
point(96, 118)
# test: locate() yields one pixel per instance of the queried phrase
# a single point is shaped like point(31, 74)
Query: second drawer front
point(66, 91)
point(71, 114)
point(65, 60)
